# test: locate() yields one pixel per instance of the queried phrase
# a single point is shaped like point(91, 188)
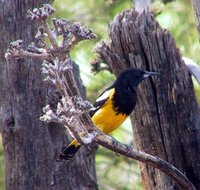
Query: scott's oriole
point(113, 106)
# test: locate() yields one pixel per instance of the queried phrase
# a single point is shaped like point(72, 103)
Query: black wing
point(101, 100)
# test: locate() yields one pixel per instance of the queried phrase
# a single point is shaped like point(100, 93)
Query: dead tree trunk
point(196, 7)
point(29, 144)
point(166, 119)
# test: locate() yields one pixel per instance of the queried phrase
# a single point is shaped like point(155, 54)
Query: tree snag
point(166, 119)
point(30, 145)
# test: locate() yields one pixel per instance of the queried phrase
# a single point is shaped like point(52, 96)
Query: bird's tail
point(69, 151)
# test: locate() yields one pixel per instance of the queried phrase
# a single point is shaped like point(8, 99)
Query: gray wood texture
point(166, 119)
point(196, 7)
point(30, 145)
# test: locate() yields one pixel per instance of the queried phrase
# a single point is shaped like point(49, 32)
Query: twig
point(41, 14)
point(71, 105)
point(193, 68)
point(50, 35)
point(16, 51)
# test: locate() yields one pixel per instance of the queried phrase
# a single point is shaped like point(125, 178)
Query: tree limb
point(129, 151)
point(72, 110)
point(193, 68)
point(16, 51)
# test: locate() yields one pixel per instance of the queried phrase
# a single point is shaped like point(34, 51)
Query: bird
point(112, 107)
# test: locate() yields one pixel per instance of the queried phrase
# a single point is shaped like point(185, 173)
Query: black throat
point(124, 100)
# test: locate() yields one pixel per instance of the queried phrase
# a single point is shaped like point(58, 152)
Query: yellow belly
point(106, 119)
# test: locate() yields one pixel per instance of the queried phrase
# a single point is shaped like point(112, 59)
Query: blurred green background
point(116, 172)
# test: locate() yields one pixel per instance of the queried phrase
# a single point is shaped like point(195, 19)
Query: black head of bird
point(125, 97)
point(130, 78)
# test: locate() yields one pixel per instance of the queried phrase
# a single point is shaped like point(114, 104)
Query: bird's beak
point(148, 74)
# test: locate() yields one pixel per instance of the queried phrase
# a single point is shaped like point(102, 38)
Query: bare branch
point(69, 117)
point(156, 162)
point(16, 51)
point(41, 13)
point(97, 66)
point(193, 68)
point(71, 33)
point(50, 35)
point(72, 106)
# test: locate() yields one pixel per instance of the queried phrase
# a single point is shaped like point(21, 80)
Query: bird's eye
point(139, 74)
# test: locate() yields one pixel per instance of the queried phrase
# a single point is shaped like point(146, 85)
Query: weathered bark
point(29, 144)
point(196, 7)
point(166, 118)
